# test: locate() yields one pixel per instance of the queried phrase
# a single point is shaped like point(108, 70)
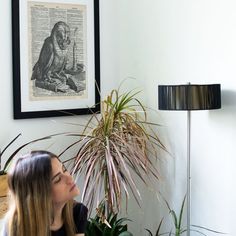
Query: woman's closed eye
point(57, 178)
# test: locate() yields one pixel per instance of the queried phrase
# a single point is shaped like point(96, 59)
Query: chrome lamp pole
point(188, 171)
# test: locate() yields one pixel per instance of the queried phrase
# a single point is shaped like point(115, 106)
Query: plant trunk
point(3, 195)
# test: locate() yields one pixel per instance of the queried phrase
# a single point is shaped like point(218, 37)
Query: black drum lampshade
point(189, 97)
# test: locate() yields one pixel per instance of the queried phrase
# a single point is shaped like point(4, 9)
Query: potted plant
point(114, 147)
point(3, 179)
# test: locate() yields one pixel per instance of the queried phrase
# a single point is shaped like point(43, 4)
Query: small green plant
point(179, 229)
point(158, 229)
point(111, 225)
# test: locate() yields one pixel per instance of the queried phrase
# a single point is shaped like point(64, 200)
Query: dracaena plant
point(115, 147)
point(18, 149)
point(3, 170)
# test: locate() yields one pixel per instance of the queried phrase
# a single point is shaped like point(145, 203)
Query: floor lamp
point(189, 97)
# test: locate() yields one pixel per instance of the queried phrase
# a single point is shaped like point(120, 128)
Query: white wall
point(162, 42)
point(174, 42)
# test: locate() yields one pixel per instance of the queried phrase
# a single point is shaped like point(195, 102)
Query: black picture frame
point(55, 88)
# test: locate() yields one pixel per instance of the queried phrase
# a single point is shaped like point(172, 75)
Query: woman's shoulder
point(80, 211)
point(78, 206)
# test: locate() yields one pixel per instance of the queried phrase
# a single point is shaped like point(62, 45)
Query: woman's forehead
point(56, 165)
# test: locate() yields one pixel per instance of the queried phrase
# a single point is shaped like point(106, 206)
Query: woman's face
point(63, 186)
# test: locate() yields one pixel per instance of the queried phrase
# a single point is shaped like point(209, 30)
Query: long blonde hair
point(30, 189)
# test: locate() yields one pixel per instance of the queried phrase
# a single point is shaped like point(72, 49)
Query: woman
point(42, 191)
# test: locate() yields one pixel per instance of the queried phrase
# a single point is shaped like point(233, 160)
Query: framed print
point(56, 66)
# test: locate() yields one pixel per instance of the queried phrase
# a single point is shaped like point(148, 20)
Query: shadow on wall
point(228, 98)
point(228, 106)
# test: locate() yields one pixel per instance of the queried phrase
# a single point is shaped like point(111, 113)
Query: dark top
point(80, 212)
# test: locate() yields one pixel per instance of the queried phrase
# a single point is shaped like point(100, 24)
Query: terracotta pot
point(3, 195)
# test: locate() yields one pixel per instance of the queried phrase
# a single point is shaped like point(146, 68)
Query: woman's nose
point(69, 178)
